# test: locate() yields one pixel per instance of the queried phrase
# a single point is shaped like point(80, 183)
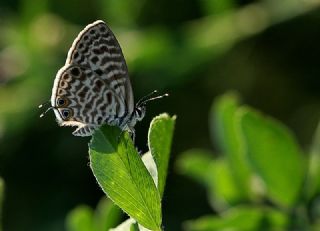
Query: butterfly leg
point(131, 133)
point(86, 130)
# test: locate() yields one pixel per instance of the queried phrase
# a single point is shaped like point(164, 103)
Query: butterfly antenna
point(147, 98)
point(48, 109)
point(44, 104)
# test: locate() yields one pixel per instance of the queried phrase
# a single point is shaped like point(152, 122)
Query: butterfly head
point(140, 112)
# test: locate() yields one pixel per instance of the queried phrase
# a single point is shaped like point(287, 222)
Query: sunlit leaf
point(160, 138)
point(275, 156)
point(122, 175)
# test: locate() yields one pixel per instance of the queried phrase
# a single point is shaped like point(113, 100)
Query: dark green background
point(195, 50)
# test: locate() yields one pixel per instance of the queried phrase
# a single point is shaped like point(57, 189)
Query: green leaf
point(224, 190)
point(1, 200)
point(107, 215)
point(134, 227)
point(313, 180)
point(195, 163)
point(242, 218)
point(122, 175)
point(213, 173)
point(275, 156)
point(80, 219)
point(224, 127)
point(83, 218)
point(159, 139)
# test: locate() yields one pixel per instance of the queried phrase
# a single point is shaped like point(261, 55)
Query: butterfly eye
point(66, 113)
point(61, 102)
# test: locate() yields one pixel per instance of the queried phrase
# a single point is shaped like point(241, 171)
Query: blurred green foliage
point(277, 183)
point(195, 50)
point(83, 218)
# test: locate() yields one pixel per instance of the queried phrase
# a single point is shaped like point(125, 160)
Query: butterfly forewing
point(93, 87)
point(97, 48)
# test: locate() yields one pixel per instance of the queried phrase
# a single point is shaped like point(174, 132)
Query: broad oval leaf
point(160, 138)
point(122, 175)
point(274, 155)
point(225, 131)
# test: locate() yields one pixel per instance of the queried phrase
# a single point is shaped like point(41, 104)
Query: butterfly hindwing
point(84, 131)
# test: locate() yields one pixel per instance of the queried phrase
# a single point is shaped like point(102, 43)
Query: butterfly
point(93, 87)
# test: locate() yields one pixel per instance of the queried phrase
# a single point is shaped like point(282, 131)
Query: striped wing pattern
point(93, 87)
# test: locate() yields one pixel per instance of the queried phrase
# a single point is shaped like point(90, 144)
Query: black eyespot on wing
point(62, 102)
point(66, 113)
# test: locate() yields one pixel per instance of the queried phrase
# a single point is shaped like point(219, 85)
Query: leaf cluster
point(261, 179)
